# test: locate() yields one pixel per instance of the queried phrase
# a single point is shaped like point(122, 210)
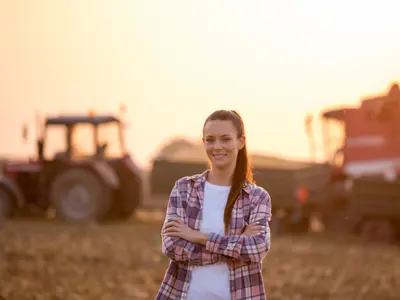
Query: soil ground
point(47, 260)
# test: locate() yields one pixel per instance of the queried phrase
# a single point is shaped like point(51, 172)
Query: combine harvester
point(365, 160)
point(102, 183)
point(297, 189)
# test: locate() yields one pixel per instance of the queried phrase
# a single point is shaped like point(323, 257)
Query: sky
point(174, 62)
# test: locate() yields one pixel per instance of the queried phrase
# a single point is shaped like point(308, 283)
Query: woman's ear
point(242, 142)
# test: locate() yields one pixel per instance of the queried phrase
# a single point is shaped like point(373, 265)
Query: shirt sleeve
point(246, 248)
point(179, 249)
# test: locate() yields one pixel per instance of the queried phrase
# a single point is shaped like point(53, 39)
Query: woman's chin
point(220, 164)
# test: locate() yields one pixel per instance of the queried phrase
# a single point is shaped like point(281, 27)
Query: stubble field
point(47, 260)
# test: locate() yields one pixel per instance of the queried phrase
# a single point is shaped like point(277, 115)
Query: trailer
point(297, 188)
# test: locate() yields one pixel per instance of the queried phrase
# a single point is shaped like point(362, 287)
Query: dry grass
point(49, 260)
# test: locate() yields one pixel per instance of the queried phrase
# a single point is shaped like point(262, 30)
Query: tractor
point(82, 171)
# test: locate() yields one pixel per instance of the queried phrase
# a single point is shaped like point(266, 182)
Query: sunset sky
point(174, 62)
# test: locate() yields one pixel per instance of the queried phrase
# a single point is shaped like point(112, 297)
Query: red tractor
point(363, 144)
point(89, 177)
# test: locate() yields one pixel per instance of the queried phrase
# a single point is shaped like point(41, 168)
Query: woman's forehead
point(219, 128)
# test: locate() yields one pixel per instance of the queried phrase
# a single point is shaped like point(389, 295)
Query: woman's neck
point(221, 176)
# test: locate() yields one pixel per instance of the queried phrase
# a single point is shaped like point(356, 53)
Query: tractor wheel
point(79, 195)
point(127, 199)
point(127, 206)
point(7, 204)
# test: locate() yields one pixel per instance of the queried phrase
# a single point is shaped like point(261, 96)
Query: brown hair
point(242, 172)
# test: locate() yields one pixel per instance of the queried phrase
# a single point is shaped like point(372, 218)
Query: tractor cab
point(81, 137)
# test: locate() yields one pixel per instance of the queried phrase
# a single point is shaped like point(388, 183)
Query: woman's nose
point(217, 145)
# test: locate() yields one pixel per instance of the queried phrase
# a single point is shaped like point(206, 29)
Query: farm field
point(46, 260)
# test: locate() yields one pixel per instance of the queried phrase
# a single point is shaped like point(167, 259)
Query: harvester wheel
point(386, 232)
point(381, 231)
point(79, 195)
point(7, 205)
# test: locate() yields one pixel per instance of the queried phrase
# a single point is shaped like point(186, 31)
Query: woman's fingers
point(253, 229)
point(174, 225)
point(175, 233)
point(171, 223)
point(253, 225)
point(173, 228)
point(257, 228)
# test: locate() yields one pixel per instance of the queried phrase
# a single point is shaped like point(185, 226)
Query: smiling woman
point(216, 231)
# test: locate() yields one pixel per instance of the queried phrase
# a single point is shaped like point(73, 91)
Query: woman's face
point(221, 143)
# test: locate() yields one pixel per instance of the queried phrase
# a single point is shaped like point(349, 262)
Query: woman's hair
point(242, 172)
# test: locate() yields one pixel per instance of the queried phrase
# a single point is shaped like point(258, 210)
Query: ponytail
point(241, 174)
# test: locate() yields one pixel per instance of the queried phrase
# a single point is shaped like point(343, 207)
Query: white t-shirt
point(211, 282)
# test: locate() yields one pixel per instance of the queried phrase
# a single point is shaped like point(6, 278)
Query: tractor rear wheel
point(79, 195)
point(7, 204)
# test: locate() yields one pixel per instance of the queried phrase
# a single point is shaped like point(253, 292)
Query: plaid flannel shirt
point(243, 254)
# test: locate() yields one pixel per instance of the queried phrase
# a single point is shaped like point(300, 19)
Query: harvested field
point(49, 260)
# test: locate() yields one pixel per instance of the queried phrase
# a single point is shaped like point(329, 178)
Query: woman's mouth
point(219, 156)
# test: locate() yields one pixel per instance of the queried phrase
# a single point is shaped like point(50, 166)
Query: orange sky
point(174, 62)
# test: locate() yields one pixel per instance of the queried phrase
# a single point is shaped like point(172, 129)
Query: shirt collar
point(200, 180)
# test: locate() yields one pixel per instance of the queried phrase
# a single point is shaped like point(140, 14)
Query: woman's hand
point(253, 229)
point(175, 227)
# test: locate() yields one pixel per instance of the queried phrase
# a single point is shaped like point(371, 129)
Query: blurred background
point(160, 68)
point(172, 63)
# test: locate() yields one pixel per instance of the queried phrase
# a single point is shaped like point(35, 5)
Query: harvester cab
point(333, 128)
point(364, 140)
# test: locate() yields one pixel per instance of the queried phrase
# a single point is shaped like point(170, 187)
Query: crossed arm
point(180, 249)
point(184, 244)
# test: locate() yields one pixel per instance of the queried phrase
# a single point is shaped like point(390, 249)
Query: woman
point(216, 232)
